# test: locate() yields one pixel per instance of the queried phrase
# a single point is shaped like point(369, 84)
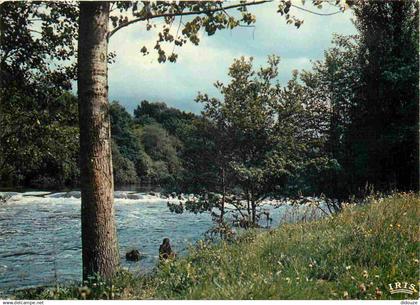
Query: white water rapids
point(40, 234)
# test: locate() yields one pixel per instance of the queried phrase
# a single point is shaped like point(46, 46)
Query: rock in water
point(133, 255)
point(135, 196)
point(74, 194)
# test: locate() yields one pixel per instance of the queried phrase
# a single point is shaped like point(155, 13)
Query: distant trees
point(124, 169)
point(149, 142)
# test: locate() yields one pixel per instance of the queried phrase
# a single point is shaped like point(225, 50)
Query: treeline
point(347, 126)
point(147, 147)
point(42, 151)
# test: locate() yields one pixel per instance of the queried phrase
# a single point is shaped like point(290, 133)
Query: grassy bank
point(353, 255)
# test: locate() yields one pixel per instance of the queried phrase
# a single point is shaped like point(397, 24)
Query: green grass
point(354, 255)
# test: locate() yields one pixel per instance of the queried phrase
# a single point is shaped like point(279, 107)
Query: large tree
point(38, 119)
point(100, 254)
point(370, 82)
point(99, 238)
point(259, 140)
point(384, 130)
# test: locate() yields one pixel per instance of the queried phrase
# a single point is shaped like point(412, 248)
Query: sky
point(134, 77)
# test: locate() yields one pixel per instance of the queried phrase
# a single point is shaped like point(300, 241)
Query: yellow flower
point(365, 274)
point(345, 295)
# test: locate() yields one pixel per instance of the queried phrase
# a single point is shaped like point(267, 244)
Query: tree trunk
point(99, 238)
point(254, 213)
point(254, 209)
point(248, 208)
point(222, 209)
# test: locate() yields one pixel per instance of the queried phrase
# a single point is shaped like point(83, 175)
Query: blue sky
point(134, 77)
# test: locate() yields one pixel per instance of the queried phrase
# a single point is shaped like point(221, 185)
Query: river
point(40, 240)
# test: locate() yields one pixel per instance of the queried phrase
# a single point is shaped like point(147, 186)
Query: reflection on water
point(40, 235)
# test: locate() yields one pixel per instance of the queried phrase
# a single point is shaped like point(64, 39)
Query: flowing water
point(40, 240)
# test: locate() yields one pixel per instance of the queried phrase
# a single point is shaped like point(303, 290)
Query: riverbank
point(353, 255)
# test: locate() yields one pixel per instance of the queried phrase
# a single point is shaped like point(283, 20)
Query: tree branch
point(315, 13)
point(184, 14)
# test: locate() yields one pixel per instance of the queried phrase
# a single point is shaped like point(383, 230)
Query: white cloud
point(135, 77)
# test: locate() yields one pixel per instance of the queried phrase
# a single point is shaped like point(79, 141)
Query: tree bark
point(222, 208)
point(254, 209)
point(99, 238)
point(254, 213)
point(248, 208)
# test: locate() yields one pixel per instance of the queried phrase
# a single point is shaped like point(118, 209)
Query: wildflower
point(398, 225)
point(416, 261)
point(348, 267)
point(287, 279)
point(310, 265)
point(365, 274)
point(84, 292)
point(377, 276)
point(378, 293)
point(362, 287)
point(345, 295)
point(391, 225)
point(352, 277)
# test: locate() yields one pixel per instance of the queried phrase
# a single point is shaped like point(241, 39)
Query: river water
point(40, 240)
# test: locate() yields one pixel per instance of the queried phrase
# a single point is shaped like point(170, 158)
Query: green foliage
point(370, 82)
point(149, 142)
point(372, 245)
point(38, 118)
point(40, 141)
point(32, 35)
point(262, 138)
point(384, 131)
point(122, 131)
point(163, 150)
point(206, 16)
point(124, 169)
point(171, 119)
